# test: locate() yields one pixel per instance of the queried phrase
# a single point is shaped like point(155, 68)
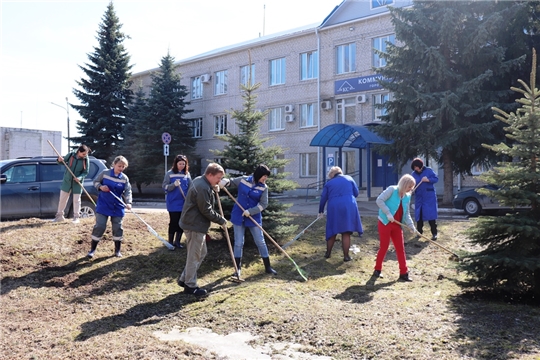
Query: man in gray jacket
point(197, 215)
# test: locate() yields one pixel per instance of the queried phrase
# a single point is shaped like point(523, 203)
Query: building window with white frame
point(281, 169)
point(196, 125)
point(309, 115)
point(380, 44)
point(196, 88)
point(375, 4)
point(308, 165)
point(247, 75)
point(309, 65)
point(346, 110)
point(220, 125)
point(220, 82)
point(345, 58)
point(379, 99)
point(277, 71)
point(276, 119)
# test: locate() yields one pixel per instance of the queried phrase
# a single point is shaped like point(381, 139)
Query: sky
point(43, 43)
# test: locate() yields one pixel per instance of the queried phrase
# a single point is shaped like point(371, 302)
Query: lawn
point(57, 304)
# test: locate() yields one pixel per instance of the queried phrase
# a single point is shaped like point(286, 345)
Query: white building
point(18, 142)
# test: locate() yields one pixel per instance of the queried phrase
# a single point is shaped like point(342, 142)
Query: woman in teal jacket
point(394, 204)
point(79, 165)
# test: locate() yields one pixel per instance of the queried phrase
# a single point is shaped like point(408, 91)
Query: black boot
point(238, 262)
point(267, 266)
point(117, 245)
point(171, 241)
point(177, 240)
point(93, 247)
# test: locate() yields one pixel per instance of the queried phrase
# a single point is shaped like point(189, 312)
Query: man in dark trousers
point(197, 215)
point(425, 197)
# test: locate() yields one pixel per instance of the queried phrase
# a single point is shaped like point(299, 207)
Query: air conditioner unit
point(326, 105)
point(289, 108)
point(289, 118)
point(360, 99)
point(205, 78)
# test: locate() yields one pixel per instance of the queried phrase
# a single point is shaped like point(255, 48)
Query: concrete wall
point(17, 142)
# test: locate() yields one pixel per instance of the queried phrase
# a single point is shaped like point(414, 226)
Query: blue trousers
point(257, 236)
point(101, 226)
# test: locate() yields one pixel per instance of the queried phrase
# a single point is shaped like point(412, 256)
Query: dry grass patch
point(56, 304)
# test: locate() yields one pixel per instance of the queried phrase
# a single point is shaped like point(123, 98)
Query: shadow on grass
point(363, 293)
point(495, 330)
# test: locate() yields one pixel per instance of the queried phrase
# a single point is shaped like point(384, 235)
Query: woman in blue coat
point(253, 197)
point(176, 184)
point(342, 213)
point(425, 197)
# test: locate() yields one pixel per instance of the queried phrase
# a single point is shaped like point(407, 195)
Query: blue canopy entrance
point(351, 136)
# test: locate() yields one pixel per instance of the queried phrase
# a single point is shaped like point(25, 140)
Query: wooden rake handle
point(431, 241)
point(224, 226)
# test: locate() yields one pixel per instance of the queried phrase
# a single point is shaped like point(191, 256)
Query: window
point(220, 82)
point(220, 125)
point(277, 71)
point(346, 110)
point(196, 124)
point(196, 88)
point(309, 114)
point(379, 99)
point(380, 45)
point(308, 165)
point(309, 65)
point(281, 169)
point(346, 58)
point(380, 3)
point(246, 75)
point(276, 119)
point(21, 174)
point(350, 162)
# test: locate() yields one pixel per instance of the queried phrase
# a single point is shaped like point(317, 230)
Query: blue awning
point(343, 135)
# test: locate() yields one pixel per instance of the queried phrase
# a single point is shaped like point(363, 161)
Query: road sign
point(165, 149)
point(330, 160)
point(166, 137)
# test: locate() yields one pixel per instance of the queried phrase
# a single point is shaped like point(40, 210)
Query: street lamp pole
point(67, 112)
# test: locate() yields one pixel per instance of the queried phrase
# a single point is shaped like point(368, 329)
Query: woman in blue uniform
point(425, 197)
point(176, 184)
point(340, 191)
point(253, 197)
point(116, 182)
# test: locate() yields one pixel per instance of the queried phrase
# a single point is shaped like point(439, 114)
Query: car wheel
point(87, 209)
point(472, 207)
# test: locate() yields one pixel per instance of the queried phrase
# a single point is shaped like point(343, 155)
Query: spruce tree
point(510, 259)
point(164, 112)
point(442, 74)
point(105, 94)
point(245, 151)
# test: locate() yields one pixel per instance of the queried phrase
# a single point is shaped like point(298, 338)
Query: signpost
point(166, 138)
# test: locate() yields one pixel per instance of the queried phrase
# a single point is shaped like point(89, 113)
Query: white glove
point(177, 183)
point(320, 215)
point(216, 188)
point(390, 218)
point(246, 213)
point(224, 182)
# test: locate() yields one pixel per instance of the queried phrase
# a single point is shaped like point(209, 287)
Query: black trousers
point(432, 225)
point(174, 219)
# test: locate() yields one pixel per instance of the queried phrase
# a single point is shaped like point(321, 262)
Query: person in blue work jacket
point(116, 182)
point(176, 184)
point(253, 197)
point(425, 197)
point(340, 191)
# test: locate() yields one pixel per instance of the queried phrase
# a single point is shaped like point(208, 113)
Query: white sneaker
point(76, 220)
point(59, 219)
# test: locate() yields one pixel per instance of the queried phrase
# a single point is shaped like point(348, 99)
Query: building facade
point(18, 142)
point(311, 77)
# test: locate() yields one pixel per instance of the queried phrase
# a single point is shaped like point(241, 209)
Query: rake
point(152, 231)
point(268, 236)
point(237, 279)
point(300, 234)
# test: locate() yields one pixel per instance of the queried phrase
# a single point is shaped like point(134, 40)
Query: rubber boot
point(238, 262)
point(177, 240)
point(171, 241)
point(267, 266)
point(93, 247)
point(117, 245)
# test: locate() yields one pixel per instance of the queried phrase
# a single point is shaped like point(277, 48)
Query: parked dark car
point(474, 203)
point(30, 187)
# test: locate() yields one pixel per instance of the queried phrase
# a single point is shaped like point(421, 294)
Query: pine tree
point(105, 94)
point(442, 74)
point(510, 259)
point(164, 112)
point(245, 151)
